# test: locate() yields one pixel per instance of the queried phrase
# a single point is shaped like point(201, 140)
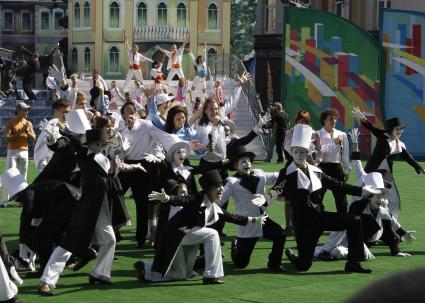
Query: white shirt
point(218, 137)
point(303, 182)
point(155, 72)
point(177, 58)
point(140, 138)
point(243, 198)
point(231, 102)
point(212, 209)
point(136, 58)
point(42, 154)
point(335, 153)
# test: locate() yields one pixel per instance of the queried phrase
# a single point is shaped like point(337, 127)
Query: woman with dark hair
point(388, 145)
point(177, 123)
point(200, 64)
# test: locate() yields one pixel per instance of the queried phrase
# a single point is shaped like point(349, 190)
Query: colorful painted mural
point(403, 36)
point(331, 62)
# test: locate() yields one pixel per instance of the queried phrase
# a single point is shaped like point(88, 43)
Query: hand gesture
point(161, 197)
point(408, 237)
point(263, 120)
point(152, 159)
point(367, 254)
point(358, 114)
point(354, 135)
point(260, 219)
point(56, 73)
point(244, 78)
point(258, 200)
point(195, 144)
point(420, 170)
point(140, 167)
point(125, 144)
point(403, 255)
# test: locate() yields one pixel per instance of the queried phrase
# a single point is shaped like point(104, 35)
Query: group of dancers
point(89, 158)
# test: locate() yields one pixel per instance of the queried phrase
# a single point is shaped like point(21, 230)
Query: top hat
point(394, 122)
point(78, 122)
point(13, 182)
point(375, 180)
point(171, 186)
point(236, 153)
point(210, 179)
point(172, 143)
point(302, 136)
point(96, 135)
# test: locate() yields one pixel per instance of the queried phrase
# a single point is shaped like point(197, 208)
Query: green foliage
point(242, 27)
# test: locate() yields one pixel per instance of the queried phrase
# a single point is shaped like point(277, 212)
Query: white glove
point(408, 237)
point(358, 114)
point(57, 74)
point(259, 220)
point(258, 200)
point(161, 197)
point(354, 135)
point(15, 276)
point(367, 254)
point(52, 131)
point(125, 144)
point(262, 120)
point(152, 159)
point(369, 190)
point(402, 254)
point(42, 125)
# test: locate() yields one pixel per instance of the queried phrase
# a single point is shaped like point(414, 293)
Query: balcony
point(160, 33)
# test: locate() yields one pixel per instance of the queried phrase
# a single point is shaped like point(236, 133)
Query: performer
point(8, 289)
point(302, 185)
point(175, 56)
point(134, 59)
point(27, 70)
point(246, 186)
point(335, 152)
point(200, 63)
point(95, 80)
point(388, 145)
point(191, 226)
point(157, 75)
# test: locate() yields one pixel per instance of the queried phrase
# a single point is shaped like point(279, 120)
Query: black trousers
point(335, 171)
point(141, 185)
point(309, 228)
point(279, 146)
point(241, 252)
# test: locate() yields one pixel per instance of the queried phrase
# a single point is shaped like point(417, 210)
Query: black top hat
point(170, 186)
point(210, 179)
point(394, 122)
point(237, 152)
point(96, 135)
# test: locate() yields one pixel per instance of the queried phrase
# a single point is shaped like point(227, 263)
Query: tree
point(242, 27)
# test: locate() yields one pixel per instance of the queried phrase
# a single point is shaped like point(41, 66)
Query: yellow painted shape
point(420, 110)
point(411, 57)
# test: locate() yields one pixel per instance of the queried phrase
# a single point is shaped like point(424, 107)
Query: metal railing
point(229, 65)
point(160, 33)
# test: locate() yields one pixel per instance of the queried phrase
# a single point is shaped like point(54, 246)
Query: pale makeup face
point(243, 165)
point(299, 154)
point(215, 193)
point(179, 156)
point(397, 131)
point(376, 200)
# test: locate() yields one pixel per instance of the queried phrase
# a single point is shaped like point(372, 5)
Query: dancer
point(200, 63)
point(175, 56)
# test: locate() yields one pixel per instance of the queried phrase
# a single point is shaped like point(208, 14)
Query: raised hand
point(358, 114)
point(56, 73)
point(152, 159)
point(354, 135)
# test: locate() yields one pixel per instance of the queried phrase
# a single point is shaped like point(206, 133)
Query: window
point(382, 4)
point(212, 53)
point(142, 14)
point(181, 15)
point(212, 16)
point(58, 15)
point(162, 14)
point(114, 15)
point(8, 21)
point(26, 21)
point(341, 8)
point(77, 14)
point(269, 16)
point(86, 14)
point(114, 60)
point(87, 58)
point(74, 57)
point(45, 21)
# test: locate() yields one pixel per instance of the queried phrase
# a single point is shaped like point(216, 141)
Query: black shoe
point(140, 244)
point(356, 267)
point(326, 256)
point(93, 280)
point(212, 281)
point(276, 268)
point(291, 255)
point(139, 266)
point(83, 261)
point(33, 275)
point(234, 244)
point(44, 290)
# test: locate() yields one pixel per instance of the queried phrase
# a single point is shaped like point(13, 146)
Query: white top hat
point(77, 121)
point(302, 136)
point(12, 181)
point(375, 180)
point(173, 143)
point(162, 98)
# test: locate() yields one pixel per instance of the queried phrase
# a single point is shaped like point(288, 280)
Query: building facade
point(96, 31)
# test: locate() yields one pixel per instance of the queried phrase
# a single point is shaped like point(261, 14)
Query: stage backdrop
point(403, 36)
point(331, 62)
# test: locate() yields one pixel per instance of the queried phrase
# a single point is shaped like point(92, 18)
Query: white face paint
point(243, 165)
point(397, 131)
point(179, 156)
point(375, 201)
point(299, 154)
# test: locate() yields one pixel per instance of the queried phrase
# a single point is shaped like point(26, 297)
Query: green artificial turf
point(324, 282)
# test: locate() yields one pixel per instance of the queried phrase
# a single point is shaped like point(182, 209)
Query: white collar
point(184, 171)
point(303, 182)
point(207, 203)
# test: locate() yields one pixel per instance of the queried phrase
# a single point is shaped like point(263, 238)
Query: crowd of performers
point(89, 158)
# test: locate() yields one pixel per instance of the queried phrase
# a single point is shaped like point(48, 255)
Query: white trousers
point(16, 158)
point(130, 73)
point(103, 235)
point(8, 289)
point(175, 71)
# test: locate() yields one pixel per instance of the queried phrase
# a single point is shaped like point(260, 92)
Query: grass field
point(324, 282)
